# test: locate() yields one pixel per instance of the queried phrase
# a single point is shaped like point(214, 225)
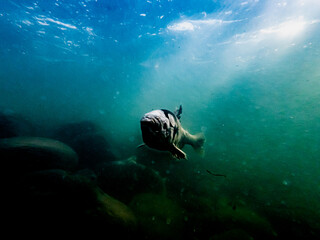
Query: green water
point(246, 73)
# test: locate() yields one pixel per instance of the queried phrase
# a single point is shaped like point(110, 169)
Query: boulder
point(218, 217)
point(124, 179)
point(115, 211)
point(232, 216)
point(13, 125)
point(233, 234)
point(58, 201)
point(88, 140)
point(159, 217)
point(23, 154)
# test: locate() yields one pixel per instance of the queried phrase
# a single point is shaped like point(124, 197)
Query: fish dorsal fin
point(178, 112)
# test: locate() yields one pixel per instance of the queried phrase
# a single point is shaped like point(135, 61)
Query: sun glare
point(291, 28)
point(288, 29)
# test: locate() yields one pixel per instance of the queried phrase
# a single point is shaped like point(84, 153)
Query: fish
point(216, 174)
point(162, 130)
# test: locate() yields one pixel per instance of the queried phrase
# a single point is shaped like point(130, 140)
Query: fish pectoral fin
point(178, 153)
point(141, 145)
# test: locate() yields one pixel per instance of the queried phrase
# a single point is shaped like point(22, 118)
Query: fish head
point(155, 129)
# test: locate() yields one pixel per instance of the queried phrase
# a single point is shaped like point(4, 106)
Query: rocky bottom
point(71, 184)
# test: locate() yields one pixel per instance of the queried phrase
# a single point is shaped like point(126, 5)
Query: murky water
point(247, 74)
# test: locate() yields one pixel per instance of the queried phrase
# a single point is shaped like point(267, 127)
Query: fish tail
point(199, 143)
point(196, 141)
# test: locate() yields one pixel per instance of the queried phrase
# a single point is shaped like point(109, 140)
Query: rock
point(88, 140)
point(88, 173)
point(58, 201)
point(233, 234)
point(158, 160)
point(241, 216)
point(200, 214)
point(124, 179)
point(23, 154)
point(13, 125)
point(214, 216)
point(159, 217)
point(116, 211)
point(296, 222)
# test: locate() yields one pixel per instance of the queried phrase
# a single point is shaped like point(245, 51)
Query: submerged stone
point(116, 211)
point(34, 153)
point(56, 200)
point(233, 234)
point(88, 140)
point(124, 179)
point(159, 217)
point(13, 125)
point(242, 216)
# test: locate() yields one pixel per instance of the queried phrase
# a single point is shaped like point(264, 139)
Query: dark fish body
point(162, 130)
point(216, 174)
